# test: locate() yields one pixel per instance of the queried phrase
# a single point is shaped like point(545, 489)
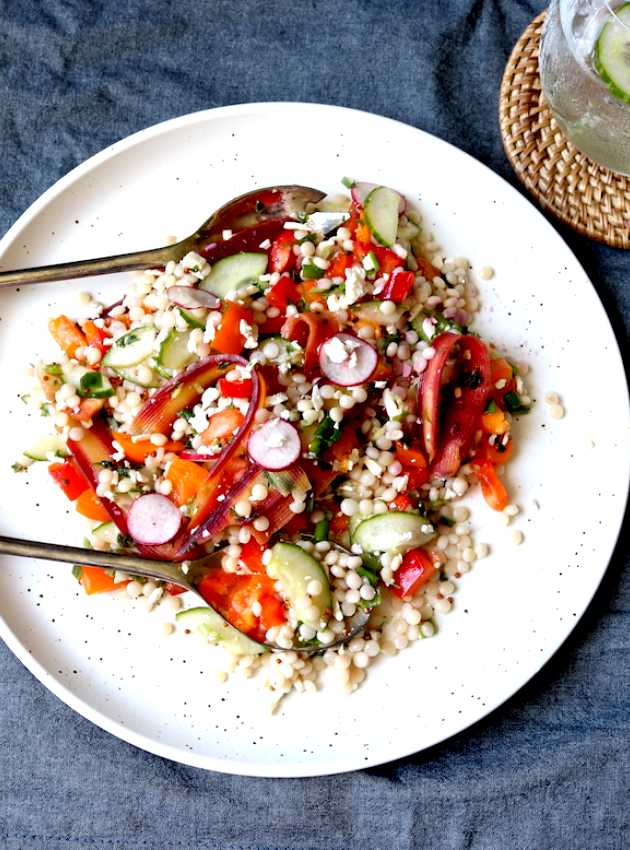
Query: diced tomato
point(96, 580)
point(228, 338)
point(174, 589)
point(67, 335)
point(95, 336)
point(272, 325)
point(234, 595)
point(89, 407)
point(338, 264)
point(251, 555)
point(235, 389)
point(186, 476)
point(414, 464)
point(297, 524)
point(338, 525)
point(282, 293)
point(496, 452)
point(139, 451)
point(69, 478)
point(339, 452)
point(402, 502)
point(501, 371)
point(399, 286)
point(417, 569)
point(281, 256)
point(89, 505)
point(388, 260)
point(222, 425)
point(492, 487)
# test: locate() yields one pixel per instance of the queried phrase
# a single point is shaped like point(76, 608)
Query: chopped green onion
point(348, 182)
point(327, 433)
point(95, 385)
point(321, 530)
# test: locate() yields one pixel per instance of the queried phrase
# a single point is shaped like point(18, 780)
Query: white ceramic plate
point(109, 661)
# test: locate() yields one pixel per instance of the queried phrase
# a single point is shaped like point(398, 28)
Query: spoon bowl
point(251, 218)
point(186, 575)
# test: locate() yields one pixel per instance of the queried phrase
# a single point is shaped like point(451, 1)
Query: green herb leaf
point(44, 410)
point(514, 403)
point(311, 272)
point(326, 435)
point(76, 572)
point(348, 182)
point(19, 467)
point(95, 385)
point(491, 406)
point(53, 369)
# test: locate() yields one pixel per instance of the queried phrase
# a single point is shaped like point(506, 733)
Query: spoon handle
point(132, 564)
point(153, 258)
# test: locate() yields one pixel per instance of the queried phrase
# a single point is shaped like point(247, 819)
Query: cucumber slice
point(194, 318)
point(295, 568)
point(52, 445)
point(131, 348)
point(370, 311)
point(136, 375)
point(394, 531)
point(105, 536)
point(381, 214)
point(87, 383)
point(211, 626)
point(611, 56)
point(174, 354)
point(230, 273)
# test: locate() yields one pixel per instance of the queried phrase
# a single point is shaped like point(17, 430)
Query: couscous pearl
point(401, 641)
point(442, 606)
point(556, 411)
point(76, 434)
point(297, 507)
point(346, 402)
point(259, 493)
point(126, 485)
point(367, 592)
point(166, 487)
point(336, 414)
point(327, 391)
point(243, 508)
point(348, 609)
point(387, 308)
point(482, 550)
point(427, 629)
point(354, 580)
point(159, 439)
point(359, 394)
point(517, 537)
point(349, 507)
point(459, 486)
point(244, 535)
point(314, 587)
point(261, 523)
point(105, 476)
point(468, 555)
point(134, 589)
point(412, 616)
point(361, 659)
point(379, 507)
point(337, 571)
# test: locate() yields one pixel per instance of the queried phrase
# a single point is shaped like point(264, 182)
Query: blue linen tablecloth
point(547, 771)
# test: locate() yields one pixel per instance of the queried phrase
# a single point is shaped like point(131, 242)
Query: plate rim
point(247, 767)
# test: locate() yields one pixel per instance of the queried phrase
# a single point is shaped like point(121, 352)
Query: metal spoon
point(160, 570)
point(246, 211)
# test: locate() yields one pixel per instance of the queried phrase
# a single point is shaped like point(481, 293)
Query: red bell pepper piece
point(387, 260)
point(398, 286)
point(416, 569)
point(282, 293)
point(69, 478)
point(235, 389)
point(492, 487)
point(281, 256)
point(228, 338)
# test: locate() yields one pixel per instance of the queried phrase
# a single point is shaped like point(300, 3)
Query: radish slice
point(153, 519)
point(347, 360)
point(275, 445)
point(360, 191)
point(191, 298)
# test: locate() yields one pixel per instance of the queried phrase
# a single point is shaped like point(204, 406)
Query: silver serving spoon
point(160, 570)
point(252, 209)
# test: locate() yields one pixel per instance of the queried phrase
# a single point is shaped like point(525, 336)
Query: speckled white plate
point(109, 661)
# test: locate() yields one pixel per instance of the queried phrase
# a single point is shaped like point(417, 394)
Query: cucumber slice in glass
point(174, 354)
point(611, 56)
point(48, 446)
point(211, 626)
point(381, 214)
point(394, 531)
point(295, 568)
point(230, 273)
point(131, 348)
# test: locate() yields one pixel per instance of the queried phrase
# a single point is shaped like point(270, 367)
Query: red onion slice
point(275, 445)
point(153, 519)
point(347, 360)
point(191, 298)
point(361, 190)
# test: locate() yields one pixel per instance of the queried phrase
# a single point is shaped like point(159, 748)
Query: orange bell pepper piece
point(186, 476)
point(96, 580)
point(67, 335)
point(139, 451)
point(89, 505)
point(228, 338)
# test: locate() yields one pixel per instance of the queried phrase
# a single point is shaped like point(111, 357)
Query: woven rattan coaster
point(591, 199)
